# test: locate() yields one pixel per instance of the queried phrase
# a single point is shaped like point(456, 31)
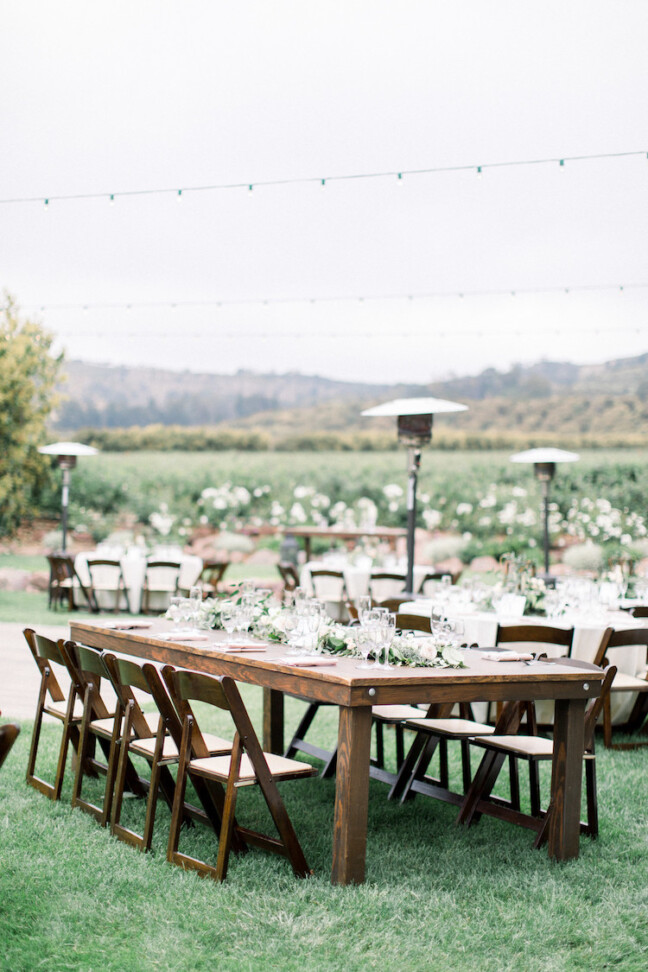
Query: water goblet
point(387, 633)
point(362, 604)
point(174, 613)
point(364, 647)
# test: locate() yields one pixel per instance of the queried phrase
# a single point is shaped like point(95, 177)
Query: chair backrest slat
point(543, 634)
point(413, 622)
point(126, 675)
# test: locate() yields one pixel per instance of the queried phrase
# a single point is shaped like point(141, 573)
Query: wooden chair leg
point(421, 765)
point(173, 856)
point(592, 798)
point(534, 788)
point(400, 746)
point(380, 745)
point(466, 771)
point(406, 768)
point(481, 786)
point(607, 723)
point(30, 777)
point(514, 778)
point(227, 825)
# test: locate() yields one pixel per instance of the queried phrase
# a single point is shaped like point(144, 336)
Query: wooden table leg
point(351, 796)
point(566, 779)
point(273, 721)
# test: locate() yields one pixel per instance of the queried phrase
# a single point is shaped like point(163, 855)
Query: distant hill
point(558, 402)
point(104, 396)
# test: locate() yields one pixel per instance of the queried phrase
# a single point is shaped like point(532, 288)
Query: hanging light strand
point(398, 174)
point(374, 298)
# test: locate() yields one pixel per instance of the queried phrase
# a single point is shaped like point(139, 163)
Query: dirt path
point(19, 678)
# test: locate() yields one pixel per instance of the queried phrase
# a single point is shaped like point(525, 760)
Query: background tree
point(28, 375)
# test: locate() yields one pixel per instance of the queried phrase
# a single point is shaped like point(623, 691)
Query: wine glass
point(387, 634)
point(229, 618)
point(364, 647)
point(174, 613)
point(362, 604)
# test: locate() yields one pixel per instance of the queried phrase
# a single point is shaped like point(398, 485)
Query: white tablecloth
point(481, 629)
point(133, 564)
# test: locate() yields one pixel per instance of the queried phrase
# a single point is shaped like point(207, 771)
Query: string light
point(376, 298)
point(179, 196)
point(399, 174)
point(112, 199)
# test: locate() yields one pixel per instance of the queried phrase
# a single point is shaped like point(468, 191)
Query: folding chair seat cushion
point(218, 768)
point(451, 727)
point(536, 747)
point(104, 727)
point(395, 713)
point(629, 683)
point(58, 710)
point(146, 747)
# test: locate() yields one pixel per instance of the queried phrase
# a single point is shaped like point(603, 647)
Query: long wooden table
point(355, 692)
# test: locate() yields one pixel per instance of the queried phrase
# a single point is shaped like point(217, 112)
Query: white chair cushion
point(451, 727)
point(536, 746)
point(146, 747)
point(218, 767)
point(625, 683)
point(395, 713)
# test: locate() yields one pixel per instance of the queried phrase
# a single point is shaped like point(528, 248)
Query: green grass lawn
point(437, 897)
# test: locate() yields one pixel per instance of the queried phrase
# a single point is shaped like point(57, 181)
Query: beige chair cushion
point(536, 746)
point(217, 767)
point(451, 727)
point(395, 713)
point(625, 683)
point(58, 709)
point(104, 727)
point(146, 747)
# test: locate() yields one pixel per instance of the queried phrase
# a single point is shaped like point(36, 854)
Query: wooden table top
point(343, 683)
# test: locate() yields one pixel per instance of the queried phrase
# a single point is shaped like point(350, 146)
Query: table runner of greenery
point(412, 651)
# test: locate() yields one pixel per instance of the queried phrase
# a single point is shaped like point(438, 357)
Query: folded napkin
point(183, 636)
point(507, 656)
point(234, 648)
point(314, 662)
point(127, 625)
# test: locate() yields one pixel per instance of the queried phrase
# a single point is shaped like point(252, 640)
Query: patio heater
point(414, 417)
point(66, 454)
point(544, 466)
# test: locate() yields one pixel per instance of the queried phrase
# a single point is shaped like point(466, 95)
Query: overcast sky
point(111, 97)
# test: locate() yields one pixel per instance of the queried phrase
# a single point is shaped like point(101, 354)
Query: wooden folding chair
point(246, 765)
point(160, 577)
point(384, 585)
point(636, 722)
point(107, 577)
point(8, 735)
point(507, 741)
point(144, 734)
point(330, 587)
point(52, 701)
point(211, 576)
point(98, 724)
point(434, 577)
point(289, 575)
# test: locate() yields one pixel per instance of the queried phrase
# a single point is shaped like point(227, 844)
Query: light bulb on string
point(479, 172)
point(250, 189)
point(46, 204)
point(179, 195)
point(399, 178)
point(323, 184)
point(561, 163)
point(112, 199)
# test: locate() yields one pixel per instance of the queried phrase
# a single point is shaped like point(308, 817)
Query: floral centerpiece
point(269, 622)
point(520, 578)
